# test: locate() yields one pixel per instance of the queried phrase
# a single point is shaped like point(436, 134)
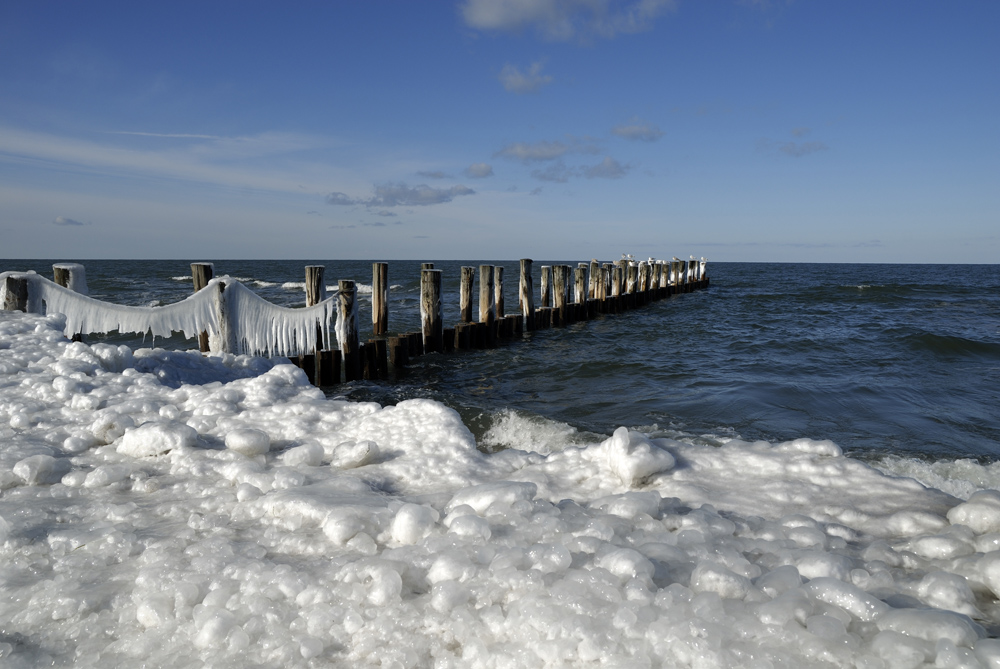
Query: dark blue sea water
point(881, 359)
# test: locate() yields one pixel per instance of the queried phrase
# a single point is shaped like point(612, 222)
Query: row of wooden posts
point(568, 294)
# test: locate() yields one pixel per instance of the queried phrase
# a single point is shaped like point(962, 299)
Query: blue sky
point(765, 130)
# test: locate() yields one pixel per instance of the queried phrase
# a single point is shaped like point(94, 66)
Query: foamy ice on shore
point(164, 509)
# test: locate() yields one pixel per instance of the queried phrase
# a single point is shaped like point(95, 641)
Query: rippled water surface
point(879, 358)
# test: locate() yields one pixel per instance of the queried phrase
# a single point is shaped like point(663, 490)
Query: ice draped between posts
point(249, 324)
point(168, 509)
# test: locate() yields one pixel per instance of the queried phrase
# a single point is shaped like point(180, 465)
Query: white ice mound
point(981, 513)
point(482, 497)
point(634, 458)
point(156, 437)
point(248, 441)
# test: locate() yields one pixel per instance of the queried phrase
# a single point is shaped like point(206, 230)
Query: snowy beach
point(164, 509)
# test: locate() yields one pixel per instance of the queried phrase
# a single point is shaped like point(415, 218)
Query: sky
point(738, 130)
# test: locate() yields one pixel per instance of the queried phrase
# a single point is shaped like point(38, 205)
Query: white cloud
point(544, 150)
point(792, 149)
point(609, 168)
point(639, 130)
point(562, 20)
point(221, 161)
point(63, 220)
point(479, 170)
point(557, 172)
point(529, 153)
point(401, 195)
point(515, 81)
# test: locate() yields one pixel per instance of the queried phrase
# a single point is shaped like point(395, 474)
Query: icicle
point(236, 318)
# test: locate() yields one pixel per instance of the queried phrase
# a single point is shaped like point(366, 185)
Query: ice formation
point(236, 318)
point(168, 509)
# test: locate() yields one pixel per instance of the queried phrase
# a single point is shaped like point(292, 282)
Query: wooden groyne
point(567, 295)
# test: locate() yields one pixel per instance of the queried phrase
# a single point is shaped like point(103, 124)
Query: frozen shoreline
point(144, 516)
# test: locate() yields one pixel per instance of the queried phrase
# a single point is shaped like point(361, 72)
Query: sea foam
point(164, 508)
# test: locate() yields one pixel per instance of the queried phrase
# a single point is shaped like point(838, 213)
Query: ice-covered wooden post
point(347, 329)
point(380, 298)
point(70, 275)
point(201, 274)
point(15, 296)
point(546, 287)
point(468, 278)
point(526, 297)
point(487, 309)
point(430, 310)
point(73, 276)
point(315, 293)
point(498, 291)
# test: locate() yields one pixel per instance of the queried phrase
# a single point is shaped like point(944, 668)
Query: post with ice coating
point(201, 274)
point(526, 297)
point(315, 293)
point(15, 294)
point(380, 298)
point(347, 330)
point(487, 309)
point(430, 310)
point(71, 275)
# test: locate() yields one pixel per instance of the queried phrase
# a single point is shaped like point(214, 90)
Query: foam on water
point(167, 509)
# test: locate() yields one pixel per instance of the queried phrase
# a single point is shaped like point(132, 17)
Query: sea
point(882, 359)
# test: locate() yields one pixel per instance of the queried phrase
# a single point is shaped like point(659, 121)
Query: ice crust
point(167, 509)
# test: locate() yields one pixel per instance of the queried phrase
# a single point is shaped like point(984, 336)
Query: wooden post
point(315, 290)
point(465, 294)
point(546, 289)
point(580, 283)
point(498, 291)
point(559, 288)
point(328, 368)
point(487, 309)
point(201, 274)
point(315, 293)
point(347, 328)
point(399, 353)
point(526, 297)
point(15, 294)
point(70, 275)
point(380, 298)
point(430, 310)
